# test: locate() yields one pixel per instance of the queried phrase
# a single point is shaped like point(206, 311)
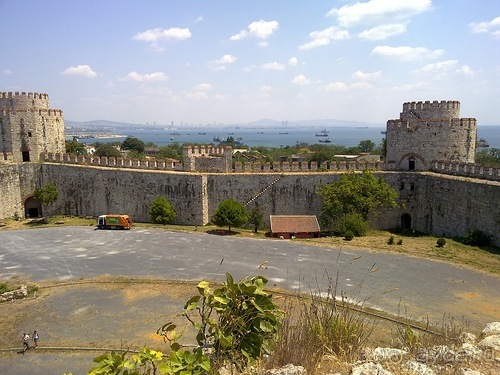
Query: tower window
point(29, 134)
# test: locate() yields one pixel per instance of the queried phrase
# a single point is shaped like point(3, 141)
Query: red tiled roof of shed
point(294, 223)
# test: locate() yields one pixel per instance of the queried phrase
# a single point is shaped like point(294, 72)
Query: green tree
point(106, 149)
point(161, 211)
point(133, 144)
point(46, 195)
point(355, 193)
point(489, 157)
point(366, 145)
point(173, 151)
point(75, 148)
point(230, 213)
point(256, 217)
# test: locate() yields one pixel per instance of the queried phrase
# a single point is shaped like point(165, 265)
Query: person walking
point(25, 340)
point(35, 339)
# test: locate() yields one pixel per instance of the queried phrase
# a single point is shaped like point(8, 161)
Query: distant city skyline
point(236, 62)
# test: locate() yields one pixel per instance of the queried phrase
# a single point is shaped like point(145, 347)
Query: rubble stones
point(20, 293)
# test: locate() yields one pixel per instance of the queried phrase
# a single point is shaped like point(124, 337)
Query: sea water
point(276, 137)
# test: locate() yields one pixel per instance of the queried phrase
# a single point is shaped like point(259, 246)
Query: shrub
point(476, 237)
point(440, 242)
point(3, 288)
point(351, 222)
point(349, 235)
point(400, 241)
point(390, 241)
point(239, 320)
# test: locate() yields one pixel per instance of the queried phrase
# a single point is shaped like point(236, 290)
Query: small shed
point(294, 226)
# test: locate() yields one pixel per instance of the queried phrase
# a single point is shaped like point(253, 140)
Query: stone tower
point(29, 127)
point(430, 131)
point(207, 158)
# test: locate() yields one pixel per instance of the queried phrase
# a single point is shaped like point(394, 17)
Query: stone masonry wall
point(95, 191)
point(437, 204)
point(10, 191)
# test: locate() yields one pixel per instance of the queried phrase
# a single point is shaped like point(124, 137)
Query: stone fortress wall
point(433, 203)
point(428, 132)
point(28, 127)
point(437, 204)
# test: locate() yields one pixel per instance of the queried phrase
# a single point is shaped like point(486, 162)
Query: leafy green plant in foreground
point(239, 319)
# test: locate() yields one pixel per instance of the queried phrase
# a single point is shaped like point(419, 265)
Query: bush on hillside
point(441, 242)
point(476, 237)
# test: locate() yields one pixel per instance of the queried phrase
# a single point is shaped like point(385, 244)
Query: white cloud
point(383, 31)
point(442, 68)
point(149, 77)
point(439, 66)
point(406, 53)
point(157, 36)
point(266, 88)
point(324, 37)
point(336, 86)
point(293, 61)
point(258, 29)
point(221, 63)
point(80, 70)
point(198, 19)
point(200, 91)
point(227, 59)
point(466, 70)
point(203, 87)
point(492, 27)
point(359, 75)
point(300, 80)
point(7, 71)
point(273, 66)
point(374, 11)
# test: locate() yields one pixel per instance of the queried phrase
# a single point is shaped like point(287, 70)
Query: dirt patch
point(114, 315)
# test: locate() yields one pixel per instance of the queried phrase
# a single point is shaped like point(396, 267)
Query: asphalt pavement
point(390, 282)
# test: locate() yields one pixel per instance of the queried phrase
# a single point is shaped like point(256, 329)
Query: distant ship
point(482, 143)
point(328, 140)
point(361, 127)
point(324, 133)
point(202, 133)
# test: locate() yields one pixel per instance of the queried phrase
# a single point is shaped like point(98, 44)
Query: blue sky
point(235, 61)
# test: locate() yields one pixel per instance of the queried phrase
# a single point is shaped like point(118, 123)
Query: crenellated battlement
point(430, 110)
point(31, 95)
point(441, 123)
point(207, 150)
point(24, 100)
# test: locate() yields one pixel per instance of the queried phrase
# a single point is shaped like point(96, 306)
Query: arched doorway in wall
point(406, 221)
point(32, 207)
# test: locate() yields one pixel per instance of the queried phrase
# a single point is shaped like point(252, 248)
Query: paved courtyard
point(416, 287)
